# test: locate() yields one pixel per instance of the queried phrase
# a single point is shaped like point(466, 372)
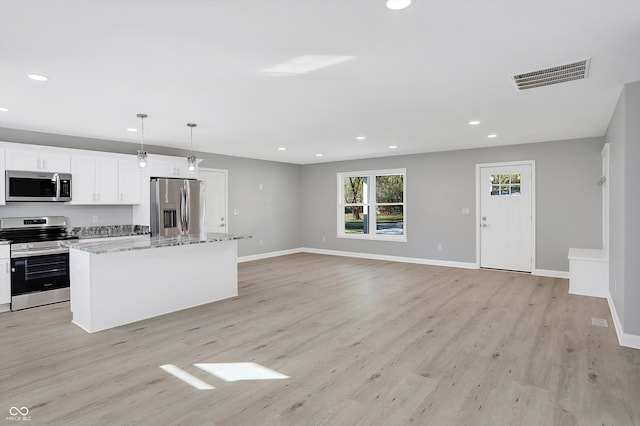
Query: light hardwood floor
point(364, 342)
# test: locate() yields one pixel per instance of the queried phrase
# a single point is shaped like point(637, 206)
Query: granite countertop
point(129, 244)
point(106, 231)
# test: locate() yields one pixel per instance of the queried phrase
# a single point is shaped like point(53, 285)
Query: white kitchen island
point(119, 282)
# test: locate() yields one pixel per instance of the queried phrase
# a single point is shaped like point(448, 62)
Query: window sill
point(394, 238)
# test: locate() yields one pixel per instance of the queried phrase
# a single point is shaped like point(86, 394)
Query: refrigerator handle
point(182, 210)
point(187, 213)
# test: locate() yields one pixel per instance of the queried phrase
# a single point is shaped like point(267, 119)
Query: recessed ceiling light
point(318, 155)
point(305, 64)
point(131, 129)
point(493, 135)
point(398, 4)
point(37, 77)
point(282, 148)
point(474, 123)
point(393, 146)
point(361, 138)
point(4, 109)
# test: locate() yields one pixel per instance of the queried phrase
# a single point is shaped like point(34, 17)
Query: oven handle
point(39, 252)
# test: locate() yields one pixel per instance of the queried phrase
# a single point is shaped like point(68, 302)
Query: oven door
point(39, 280)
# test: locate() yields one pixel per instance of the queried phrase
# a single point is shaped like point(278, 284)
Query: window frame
point(370, 201)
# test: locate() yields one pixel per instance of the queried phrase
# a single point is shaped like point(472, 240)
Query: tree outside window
point(372, 205)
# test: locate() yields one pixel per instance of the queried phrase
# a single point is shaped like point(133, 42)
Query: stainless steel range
point(39, 260)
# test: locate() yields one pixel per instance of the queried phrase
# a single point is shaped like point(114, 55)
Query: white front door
point(506, 217)
point(216, 199)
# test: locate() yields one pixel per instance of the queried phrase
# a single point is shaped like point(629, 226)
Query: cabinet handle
point(6, 266)
point(98, 197)
point(121, 197)
point(38, 164)
point(93, 196)
point(44, 164)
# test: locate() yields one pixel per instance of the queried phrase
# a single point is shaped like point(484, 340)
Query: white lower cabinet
point(5, 275)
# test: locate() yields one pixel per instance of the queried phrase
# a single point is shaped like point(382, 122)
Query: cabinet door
point(161, 167)
point(129, 181)
point(106, 180)
point(83, 179)
point(2, 182)
point(22, 159)
point(55, 162)
point(5, 281)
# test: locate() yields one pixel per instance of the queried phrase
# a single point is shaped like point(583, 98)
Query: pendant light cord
point(191, 129)
point(142, 117)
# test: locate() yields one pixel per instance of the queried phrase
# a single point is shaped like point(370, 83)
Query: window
point(371, 205)
point(505, 184)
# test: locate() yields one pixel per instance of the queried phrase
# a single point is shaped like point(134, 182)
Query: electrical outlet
point(94, 219)
point(260, 186)
point(324, 239)
point(439, 246)
point(261, 242)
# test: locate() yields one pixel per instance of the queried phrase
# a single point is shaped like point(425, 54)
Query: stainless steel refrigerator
point(177, 207)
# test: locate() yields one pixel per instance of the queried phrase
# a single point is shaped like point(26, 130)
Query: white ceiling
point(418, 76)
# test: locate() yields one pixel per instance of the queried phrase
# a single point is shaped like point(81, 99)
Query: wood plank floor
point(364, 342)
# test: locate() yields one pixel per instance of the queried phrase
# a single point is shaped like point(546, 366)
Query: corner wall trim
point(624, 339)
point(550, 273)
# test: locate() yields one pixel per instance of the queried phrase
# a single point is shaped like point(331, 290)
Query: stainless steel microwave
point(37, 186)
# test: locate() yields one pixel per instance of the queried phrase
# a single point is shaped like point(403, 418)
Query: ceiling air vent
point(560, 74)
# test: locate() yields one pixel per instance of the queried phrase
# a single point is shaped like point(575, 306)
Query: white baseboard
point(433, 262)
point(624, 339)
point(550, 273)
point(420, 261)
point(269, 254)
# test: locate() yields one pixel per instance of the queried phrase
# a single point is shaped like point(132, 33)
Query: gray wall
point(297, 205)
point(271, 214)
point(440, 185)
point(624, 233)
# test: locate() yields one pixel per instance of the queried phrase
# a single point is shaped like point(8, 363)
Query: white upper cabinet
point(170, 167)
point(94, 179)
point(37, 160)
point(128, 180)
point(2, 183)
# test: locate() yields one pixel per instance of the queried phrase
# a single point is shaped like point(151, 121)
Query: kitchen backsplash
point(77, 216)
point(108, 231)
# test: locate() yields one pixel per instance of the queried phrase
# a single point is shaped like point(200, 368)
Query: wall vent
point(560, 74)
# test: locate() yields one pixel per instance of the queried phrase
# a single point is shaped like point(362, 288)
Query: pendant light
point(142, 154)
point(191, 159)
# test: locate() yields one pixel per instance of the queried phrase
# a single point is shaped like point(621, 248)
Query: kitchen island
point(119, 282)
